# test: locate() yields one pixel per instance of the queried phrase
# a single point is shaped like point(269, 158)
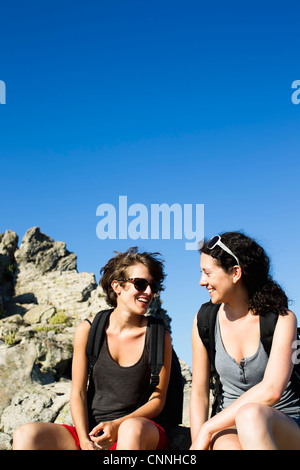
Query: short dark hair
point(116, 268)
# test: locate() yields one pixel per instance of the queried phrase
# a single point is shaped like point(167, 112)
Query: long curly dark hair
point(265, 295)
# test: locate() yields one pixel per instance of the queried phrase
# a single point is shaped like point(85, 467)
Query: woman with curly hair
point(123, 414)
point(259, 407)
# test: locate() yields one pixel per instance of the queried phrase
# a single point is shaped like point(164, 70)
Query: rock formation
point(42, 299)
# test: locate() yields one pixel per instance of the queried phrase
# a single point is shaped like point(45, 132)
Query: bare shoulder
point(81, 332)
point(197, 344)
point(167, 335)
point(286, 326)
point(195, 332)
point(292, 315)
point(288, 319)
point(168, 340)
point(195, 320)
point(83, 326)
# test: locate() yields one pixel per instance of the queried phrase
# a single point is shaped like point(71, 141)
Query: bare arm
point(150, 409)
point(79, 386)
point(199, 402)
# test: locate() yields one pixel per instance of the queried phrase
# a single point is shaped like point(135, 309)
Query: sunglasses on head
point(216, 240)
point(141, 284)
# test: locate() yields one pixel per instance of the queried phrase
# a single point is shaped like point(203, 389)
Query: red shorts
point(162, 443)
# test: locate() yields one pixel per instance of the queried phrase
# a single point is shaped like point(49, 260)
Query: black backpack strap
point(96, 337)
point(156, 349)
point(171, 415)
point(206, 320)
point(94, 343)
point(267, 324)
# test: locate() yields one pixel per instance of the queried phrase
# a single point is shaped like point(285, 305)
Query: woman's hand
point(105, 434)
point(88, 445)
point(202, 440)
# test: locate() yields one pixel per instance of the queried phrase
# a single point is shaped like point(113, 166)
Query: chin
point(141, 310)
point(215, 300)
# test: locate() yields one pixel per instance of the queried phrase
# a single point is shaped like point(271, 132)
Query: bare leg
point(225, 440)
point(261, 427)
point(137, 434)
point(43, 436)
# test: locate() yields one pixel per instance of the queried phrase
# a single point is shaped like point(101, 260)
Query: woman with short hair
point(123, 419)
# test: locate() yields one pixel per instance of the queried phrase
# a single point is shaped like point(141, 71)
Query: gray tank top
point(118, 390)
point(238, 378)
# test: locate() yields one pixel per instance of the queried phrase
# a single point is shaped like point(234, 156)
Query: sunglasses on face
point(216, 240)
point(141, 284)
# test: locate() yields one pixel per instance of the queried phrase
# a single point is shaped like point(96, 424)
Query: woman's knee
point(24, 437)
point(253, 419)
point(252, 414)
point(131, 427)
point(255, 425)
point(140, 433)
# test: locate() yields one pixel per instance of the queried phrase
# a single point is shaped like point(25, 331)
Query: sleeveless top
point(118, 390)
point(238, 378)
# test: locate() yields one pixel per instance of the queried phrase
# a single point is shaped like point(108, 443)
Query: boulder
point(8, 246)
point(16, 366)
point(37, 403)
point(42, 299)
point(39, 252)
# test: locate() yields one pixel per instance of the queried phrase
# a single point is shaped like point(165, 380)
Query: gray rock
point(8, 246)
point(5, 441)
point(16, 365)
point(36, 403)
point(42, 253)
point(42, 299)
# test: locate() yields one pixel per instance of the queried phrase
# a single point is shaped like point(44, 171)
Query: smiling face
point(128, 296)
point(219, 284)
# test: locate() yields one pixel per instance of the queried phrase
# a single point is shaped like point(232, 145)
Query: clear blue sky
point(164, 102)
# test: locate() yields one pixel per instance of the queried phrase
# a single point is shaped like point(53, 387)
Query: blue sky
point(164, 102)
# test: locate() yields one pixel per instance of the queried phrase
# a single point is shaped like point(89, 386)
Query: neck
point(122, 318)
point(237, 307)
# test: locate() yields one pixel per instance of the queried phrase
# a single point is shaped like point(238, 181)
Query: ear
point(116, 286)
point(237, 273)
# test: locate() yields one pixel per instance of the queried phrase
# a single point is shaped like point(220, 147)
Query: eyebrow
point(205, 269)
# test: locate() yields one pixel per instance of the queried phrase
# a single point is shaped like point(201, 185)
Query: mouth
point(145, 301)
point(210, 290)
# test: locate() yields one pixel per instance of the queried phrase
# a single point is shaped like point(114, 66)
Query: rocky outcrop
point(8, 246)
point(42, 299)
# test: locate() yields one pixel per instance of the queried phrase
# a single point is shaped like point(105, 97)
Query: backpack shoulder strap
point(156, 348)
point(206, 320)
point(96, 337)
point(267, 326)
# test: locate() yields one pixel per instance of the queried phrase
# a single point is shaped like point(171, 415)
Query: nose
point(203, 281)
point(148, 290)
